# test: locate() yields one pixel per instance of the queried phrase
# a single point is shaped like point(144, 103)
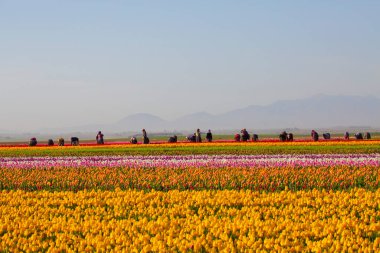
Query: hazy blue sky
point(67, 63)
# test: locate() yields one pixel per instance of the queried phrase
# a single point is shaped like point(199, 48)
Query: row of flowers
point(195, 161)
point(187, 221)
point(263, 178)
point(333, 147)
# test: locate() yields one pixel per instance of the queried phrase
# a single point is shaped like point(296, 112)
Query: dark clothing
point(237, 137)
point(283, 136)
point(209, 137)
point(191, 137)
point(315, 136)
point(99, 138)
point(173, 139)
point(359, 136)
point(244, 135)
point(255, 137)
point(33, 142)
point(198, 137)
point(50, 142)
point(74, 141)
point(145, 137)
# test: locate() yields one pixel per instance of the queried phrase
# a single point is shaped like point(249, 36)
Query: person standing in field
point(198, 137)
point(145, 137)
point(314, 135)
point(244, 135)
point(209, 136)
point(100, 138)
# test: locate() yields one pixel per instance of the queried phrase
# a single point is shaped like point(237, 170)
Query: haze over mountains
point(321, 111)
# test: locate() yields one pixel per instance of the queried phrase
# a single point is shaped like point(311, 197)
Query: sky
point(76, 62)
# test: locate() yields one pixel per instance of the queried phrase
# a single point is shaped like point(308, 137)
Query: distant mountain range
point(321, 111)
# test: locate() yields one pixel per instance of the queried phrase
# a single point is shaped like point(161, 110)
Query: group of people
point(50, 142)
point(74, 140)
point(284, 136)
point(358, 136)
point(145, 139)
point(245, 136)
point(327, 136)
point(197, 137)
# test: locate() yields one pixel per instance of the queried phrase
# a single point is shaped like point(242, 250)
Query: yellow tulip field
point(190, 203)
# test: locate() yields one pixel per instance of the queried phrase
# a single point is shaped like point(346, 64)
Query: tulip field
point(190, 197)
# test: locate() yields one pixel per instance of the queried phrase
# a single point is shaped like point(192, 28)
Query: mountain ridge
point(319, 111)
